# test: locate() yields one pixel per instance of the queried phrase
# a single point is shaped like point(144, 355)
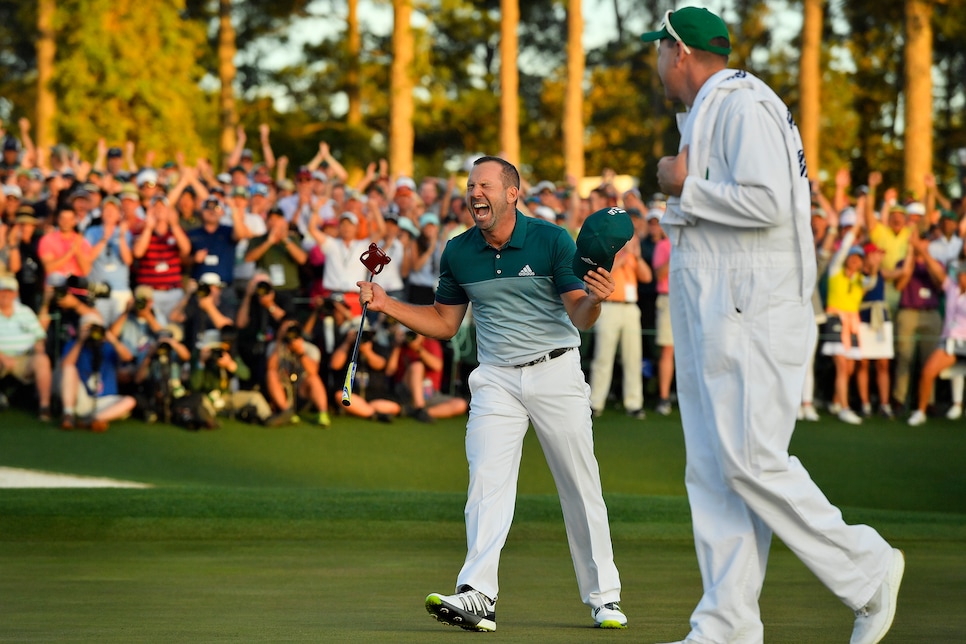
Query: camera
point(140, 303)
point(410, 336)
point(82, 289)
point(96, 334)
point(163, 351)
point(94, 289)
point(292, 334)
point(367, 336)
point(204, 290)
point(326, 308)
point(217, 354)
point(262, 289)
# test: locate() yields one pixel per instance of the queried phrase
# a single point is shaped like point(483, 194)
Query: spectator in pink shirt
point(65, 251)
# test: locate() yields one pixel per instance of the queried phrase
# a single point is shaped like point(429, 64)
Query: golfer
point(528, 304)
point(741, 278)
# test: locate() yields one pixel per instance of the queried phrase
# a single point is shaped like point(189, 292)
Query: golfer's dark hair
point(510, 176)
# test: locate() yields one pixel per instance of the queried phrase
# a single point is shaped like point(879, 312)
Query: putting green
point(306, 535)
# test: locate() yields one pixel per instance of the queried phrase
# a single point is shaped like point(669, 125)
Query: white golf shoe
point(609, 616)
point(874, 620)
point(955, 412)
point(469, 609)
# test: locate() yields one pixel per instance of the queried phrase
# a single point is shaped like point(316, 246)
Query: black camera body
point(164, 350)
point(263, 288)
point(204, 290)
point(82, 289)
point(291, 334)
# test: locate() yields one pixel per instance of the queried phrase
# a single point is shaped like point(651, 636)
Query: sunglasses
point(672, 32)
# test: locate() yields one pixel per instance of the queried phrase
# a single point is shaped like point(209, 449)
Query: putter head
point(375, 259)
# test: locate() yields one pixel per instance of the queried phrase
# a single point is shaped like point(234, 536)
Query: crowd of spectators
point(889, 301)
point(183, 293)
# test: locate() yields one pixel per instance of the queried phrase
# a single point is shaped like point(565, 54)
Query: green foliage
point(126, 70)
point(135, 70)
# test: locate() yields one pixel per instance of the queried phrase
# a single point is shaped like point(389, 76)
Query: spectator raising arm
point(29, 159)
point(267, 153)
point(236, 154)
point(333, 169)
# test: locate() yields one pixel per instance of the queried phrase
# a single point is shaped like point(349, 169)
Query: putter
point(374, 259)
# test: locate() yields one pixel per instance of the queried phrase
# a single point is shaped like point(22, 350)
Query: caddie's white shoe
point(955, 412)
point(874, 620)
point(609, 616)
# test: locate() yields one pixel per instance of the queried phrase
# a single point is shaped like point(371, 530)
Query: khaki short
point(662, 323)
point(23, 369)
point(88, 405)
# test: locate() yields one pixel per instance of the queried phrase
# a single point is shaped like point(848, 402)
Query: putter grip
point(350, 376)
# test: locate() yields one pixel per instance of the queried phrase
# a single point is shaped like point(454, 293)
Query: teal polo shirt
point(515, 290)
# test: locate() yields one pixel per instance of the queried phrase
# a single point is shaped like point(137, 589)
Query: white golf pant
point(555, 398)
point(742, 336)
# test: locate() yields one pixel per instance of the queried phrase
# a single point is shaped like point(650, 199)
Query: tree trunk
point(810, 85)
point(354, 41)
point(46, 102)
point(226, 75)
point(509, 81)
point(918, 94)
point(401, 136)
point(573, 119)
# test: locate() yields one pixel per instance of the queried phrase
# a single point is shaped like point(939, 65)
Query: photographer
point(369, 391)
point(326, 327)
point(219, 396)
point(66, 300)
point(294, 361)
point(89, 377)
point(258, 317)
point(161, 369)
point(200, 310)
point(417, 364)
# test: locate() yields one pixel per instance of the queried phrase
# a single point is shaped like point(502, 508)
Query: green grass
point(305, 535)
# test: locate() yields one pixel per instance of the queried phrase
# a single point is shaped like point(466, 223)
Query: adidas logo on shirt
point(526, 271)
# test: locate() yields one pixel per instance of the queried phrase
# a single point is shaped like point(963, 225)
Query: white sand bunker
point(13, 477)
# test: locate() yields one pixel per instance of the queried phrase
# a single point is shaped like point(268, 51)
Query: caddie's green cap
point(603, 234)
point(695, 27)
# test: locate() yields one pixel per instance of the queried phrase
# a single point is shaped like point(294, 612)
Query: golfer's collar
point(517, 237)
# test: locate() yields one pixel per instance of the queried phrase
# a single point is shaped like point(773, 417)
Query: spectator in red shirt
point(160, 249)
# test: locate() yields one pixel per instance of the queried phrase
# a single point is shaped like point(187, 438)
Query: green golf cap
point(695, 27)
point(603, 234)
